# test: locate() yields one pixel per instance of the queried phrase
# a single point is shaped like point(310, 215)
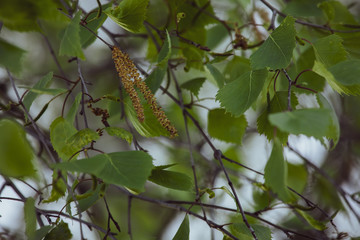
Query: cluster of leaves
point(304, 50)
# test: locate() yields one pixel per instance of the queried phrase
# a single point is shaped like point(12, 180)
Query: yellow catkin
point(121, 61)
point(128, 71)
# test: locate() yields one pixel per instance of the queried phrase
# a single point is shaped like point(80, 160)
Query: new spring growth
point(130, 77)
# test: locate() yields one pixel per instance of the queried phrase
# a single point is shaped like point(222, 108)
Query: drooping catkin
point(130, 77)
point(123, 67)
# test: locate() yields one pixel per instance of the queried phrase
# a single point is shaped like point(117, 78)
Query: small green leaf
point(276, 173)
point(311, 221)
point(235, 68)
point(82, 138)
point(329, 50)
point(58, 188)
point(15, 150)
point(261, 232)
point(277, 104)
point(194, 85)
point(154, 80)
point(60, 232)
point(30, 217)
point(70, 117)
point(297, 177)
point(120, 132)
point(41, 232)
point(94, 22)
point(184, 230)
point(130, 14)
point(129, 169)
point(310, 122)
point(223, 126)
point(70, 44)
point(333, 133)
point(277, 50)
point(49, 91)
point(237, 96)
point(60, 131)
point(347, 72)
point(216, 75)
point(11, 56)
point(165, 52)
point(151, 126)
point(44, 82)
point(171, 179)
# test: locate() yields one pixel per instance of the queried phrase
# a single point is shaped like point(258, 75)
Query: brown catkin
point(130, 77)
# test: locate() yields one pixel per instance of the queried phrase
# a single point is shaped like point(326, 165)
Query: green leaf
point(88, 199)
point(235, 68)
point(276, 173)
point(70, 117)
point(154, 80)
point(194, 58)
point(165, 52)
point(30, 217)
point(261, 232)
point(184, 230)
point(303, 8)
point(24, 15)
point(329, 50)
point(310, 122)
point(171, 179)
point(277, 50)
point(129, 169)
point(223, 126)
point(346, 72)
point(70, 44)
point(49, 91)
point(44, 82)
point(60, 131)
point(60, 232)
point(58, 188)
point(94, 23)
point(320, 69)
point(337, 13)
point(130, 14)
point(297, 177)
point(120, 132)
point(11, 56)
point(311, 221)
point(333, 133)
point(82, 138)
point(41, 232)
point(194, 85)
point(151, 126)
point(216, 75)
point(15, 150)
point(237, 96)
point(277, 104)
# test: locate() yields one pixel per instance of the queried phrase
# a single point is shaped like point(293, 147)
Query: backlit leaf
point(276, 51)
point(276, 173)
point(11, 56)
point(49, 91)
point(183, 231)
point(129, 14)
point(129, 169)
point(44, 82)
point(313, 222)
point(15, 150)
point(70, 41)
point(297, 177)
point(120, 132)
point(237, 96)
point(223, 126)
point(70, 117)
point(60, 131)
point(82, 138)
